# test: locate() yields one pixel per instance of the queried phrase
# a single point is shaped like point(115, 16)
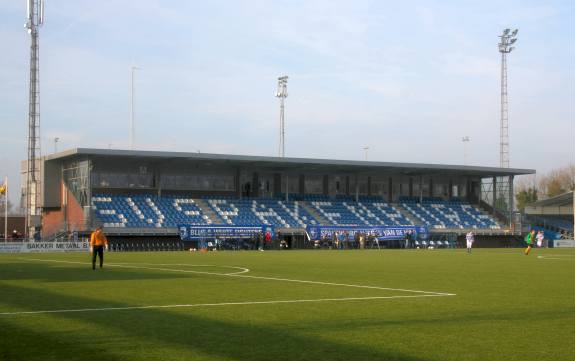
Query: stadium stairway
point(207, 210)
point(314, 213)
point(404, 212)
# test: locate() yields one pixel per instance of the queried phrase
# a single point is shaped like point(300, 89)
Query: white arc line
point(219, 304)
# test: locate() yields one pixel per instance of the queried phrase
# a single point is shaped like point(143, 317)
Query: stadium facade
point(140, 193)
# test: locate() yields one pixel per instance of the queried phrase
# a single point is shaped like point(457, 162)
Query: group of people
point(345, 240)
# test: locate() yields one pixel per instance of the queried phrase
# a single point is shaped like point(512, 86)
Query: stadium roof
point(565, 199)
point(286, 164)
point(561, 205)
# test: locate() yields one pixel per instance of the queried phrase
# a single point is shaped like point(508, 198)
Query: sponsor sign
point(190, 233)
point(37, 247)
point(564, 243)
point(382, 233)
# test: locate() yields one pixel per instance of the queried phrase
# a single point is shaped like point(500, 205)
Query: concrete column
point(369, 186)
point(356, 188)
point(277, 184)
point(347, 185)
point(255, 185)
point(510, 204)
point(494, 193)
point(237, 181)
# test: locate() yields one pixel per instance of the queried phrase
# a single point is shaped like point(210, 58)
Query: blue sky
point(408, 79)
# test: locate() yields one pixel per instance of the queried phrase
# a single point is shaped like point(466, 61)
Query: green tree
point(524, 197)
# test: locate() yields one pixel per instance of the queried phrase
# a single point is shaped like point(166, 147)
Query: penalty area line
point(197, 305)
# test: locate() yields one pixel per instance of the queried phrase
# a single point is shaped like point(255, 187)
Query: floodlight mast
point(35, 19)
point(508, 38)
point(132, 126)
point(282, 94)
point(365, 149)
point(465, 140)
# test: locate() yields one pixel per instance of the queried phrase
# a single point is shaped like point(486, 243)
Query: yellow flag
point(3, 189)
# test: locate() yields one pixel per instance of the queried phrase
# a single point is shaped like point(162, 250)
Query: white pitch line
point(545, 257)
point(243, 269)
point(218, 304)
point(127, 265)
point(254, 277)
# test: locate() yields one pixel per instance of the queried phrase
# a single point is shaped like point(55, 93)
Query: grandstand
point(554, 216)
point(137, 194)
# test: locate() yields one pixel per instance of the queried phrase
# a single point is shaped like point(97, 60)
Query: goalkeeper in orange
point(97, 243)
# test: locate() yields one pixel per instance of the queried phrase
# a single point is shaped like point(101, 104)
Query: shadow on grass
point(54, 272)
point(48, 344)
point(185, 335)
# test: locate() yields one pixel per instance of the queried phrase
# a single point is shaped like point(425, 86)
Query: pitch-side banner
point(192, 233)
point(563, 243)
point(35, 247)
point(382, 232)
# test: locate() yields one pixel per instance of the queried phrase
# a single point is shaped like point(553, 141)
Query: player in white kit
point(540, 236)
point(470, 238)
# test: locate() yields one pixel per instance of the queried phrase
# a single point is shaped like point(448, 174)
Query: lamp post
point(282, 94)
point(465, 140)
point(508, 38)
point(365, 149)
point(132, 136)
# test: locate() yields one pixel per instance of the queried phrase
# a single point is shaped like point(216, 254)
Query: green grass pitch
point(495, 304)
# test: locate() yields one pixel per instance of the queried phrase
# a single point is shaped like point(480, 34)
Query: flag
point(3, 189)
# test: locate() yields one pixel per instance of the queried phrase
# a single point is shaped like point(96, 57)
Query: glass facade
point(198, 182)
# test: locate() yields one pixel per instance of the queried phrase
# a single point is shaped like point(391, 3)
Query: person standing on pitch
point(540, 237)
point(529, 239)
point(408, 236)
point(470, 238)
point(97, 243)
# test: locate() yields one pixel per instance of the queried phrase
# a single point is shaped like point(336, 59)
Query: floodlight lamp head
point(511, 48)
point(514, 32)
point(506, 31)
point(512, 41)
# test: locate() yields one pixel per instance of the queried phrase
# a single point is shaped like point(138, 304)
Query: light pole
point(56, 139)
point(465, 140)
point(365, 149)
point(508, 38)
point(35, 19)
point(133, 69)
point(282, 94)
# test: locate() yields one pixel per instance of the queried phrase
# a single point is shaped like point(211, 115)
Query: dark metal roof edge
point(565, 198)
point(309, 161)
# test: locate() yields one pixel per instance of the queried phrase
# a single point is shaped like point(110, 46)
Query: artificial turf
point(506, 306)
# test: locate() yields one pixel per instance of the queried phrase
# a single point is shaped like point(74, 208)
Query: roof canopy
point(287, 164)
point(561, 205)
